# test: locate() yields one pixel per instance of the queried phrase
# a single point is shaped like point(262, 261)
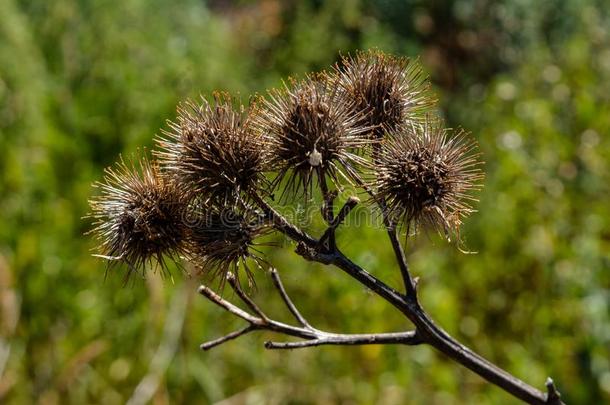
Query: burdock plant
point(210, 198)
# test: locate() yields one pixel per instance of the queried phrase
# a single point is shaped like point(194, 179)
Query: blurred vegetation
point(82, 81)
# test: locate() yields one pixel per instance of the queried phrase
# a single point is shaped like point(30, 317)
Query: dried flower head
point(310, 134)
point(139, 216)
point(222, 240)
point(390, 91)
point(426, 176)
point(212, 151)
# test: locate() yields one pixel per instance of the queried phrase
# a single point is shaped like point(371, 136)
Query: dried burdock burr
point(212, 151)
point(310, 134)
point(139, 216)
point(425, 176)
point(390, 91)
point(224, 240)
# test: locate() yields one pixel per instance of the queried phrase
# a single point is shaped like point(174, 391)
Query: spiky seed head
point(223, 241)
point(426, 177)
point(391, 91)
point(212, 150)
point(310, 134)
point(139, 216)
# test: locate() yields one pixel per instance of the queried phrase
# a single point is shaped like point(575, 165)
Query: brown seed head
point(139, 216)
point(426, 176)
point(391, 91)
point(310, 134)
point(221, 241)
point(213, 152)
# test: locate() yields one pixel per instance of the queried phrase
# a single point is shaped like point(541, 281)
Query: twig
point(244, 297)
point(327, 241)
point(406, 338)
point(289, 304)
point(233, 335)
point(311, 335)
point(401, 258)
point(280, 223)
point(221, 302)
point(553, 396)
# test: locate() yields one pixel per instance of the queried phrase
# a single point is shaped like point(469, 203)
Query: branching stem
point(327, 241)
point(312, 336)
point(401, 258)
point(426, 330)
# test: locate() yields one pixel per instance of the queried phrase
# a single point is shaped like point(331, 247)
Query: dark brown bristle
point(139, 216)
point(310, 134)
point(212, 151)
point(391, 92)
point(425, 176)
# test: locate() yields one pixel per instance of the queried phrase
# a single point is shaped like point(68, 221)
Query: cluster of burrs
point(369, 123)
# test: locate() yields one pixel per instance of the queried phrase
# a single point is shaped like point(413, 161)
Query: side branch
point(327, 241)
point(233, 335)
point(401, 258)
point(287, 301)
point(281, 223)
point(406, 338)
point(312, 336)
point(408, 281)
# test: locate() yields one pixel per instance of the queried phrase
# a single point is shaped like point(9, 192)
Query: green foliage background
point(82, 81)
